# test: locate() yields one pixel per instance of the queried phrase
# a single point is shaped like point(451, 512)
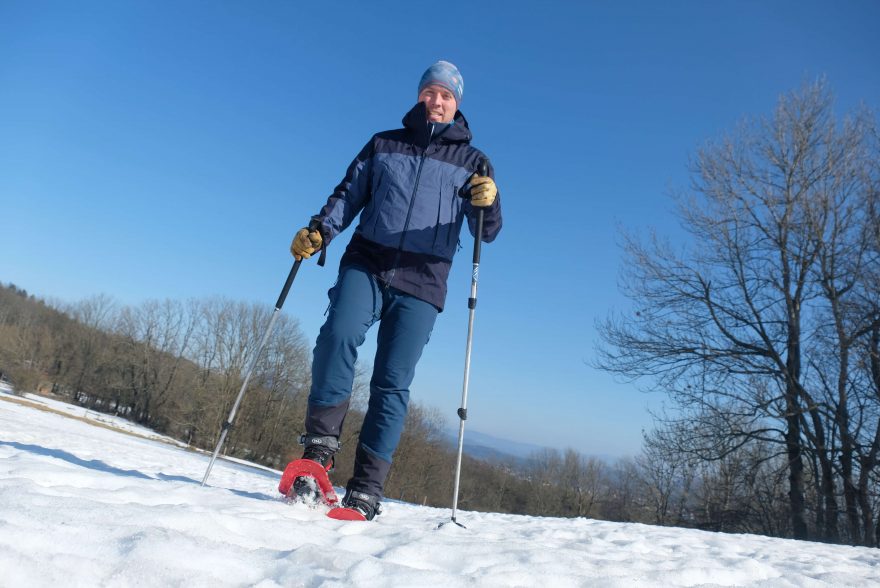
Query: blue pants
point(358, 301)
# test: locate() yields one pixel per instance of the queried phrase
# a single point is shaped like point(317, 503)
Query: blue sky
point(171, 149)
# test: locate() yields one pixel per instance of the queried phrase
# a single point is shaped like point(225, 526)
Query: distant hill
point(487, 447)
point(490, 448)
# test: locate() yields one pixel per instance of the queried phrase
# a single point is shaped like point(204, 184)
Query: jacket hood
point(416, 121)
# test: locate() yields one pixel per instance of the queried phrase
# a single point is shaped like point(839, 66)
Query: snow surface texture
point(84, 505)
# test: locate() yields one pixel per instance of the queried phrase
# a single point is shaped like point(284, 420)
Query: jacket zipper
point(412, 201)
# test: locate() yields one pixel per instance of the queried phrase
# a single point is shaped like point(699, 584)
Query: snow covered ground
point(84, 505)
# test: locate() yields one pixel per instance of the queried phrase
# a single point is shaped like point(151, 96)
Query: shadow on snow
point(100, 466)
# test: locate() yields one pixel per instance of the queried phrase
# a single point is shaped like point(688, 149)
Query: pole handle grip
point(283, 296)
point(483, 170)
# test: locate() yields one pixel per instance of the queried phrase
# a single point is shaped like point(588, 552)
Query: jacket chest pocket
point(391, 194)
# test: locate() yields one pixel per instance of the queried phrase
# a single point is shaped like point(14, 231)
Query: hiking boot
point(366, 504)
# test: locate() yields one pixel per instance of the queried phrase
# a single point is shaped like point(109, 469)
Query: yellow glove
point(483, 190)
point(305, 243)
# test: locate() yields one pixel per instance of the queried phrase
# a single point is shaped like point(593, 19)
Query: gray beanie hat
point(444, 74)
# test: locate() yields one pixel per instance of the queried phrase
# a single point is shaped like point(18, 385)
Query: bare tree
point(726, 325)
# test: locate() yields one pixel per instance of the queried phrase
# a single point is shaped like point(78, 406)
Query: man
point(413, 187)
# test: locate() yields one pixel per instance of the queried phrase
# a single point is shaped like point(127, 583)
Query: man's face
point(439, 102)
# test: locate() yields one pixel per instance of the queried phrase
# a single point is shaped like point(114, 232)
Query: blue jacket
point(405, 184)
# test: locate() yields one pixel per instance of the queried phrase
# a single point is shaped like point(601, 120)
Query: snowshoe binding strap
point(320, 449)
point(328, 441)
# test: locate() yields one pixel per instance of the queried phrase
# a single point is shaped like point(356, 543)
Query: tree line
point(171, 366)
point(176, 368)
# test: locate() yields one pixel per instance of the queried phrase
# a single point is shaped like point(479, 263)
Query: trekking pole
point(472, 304)
point(228, 424)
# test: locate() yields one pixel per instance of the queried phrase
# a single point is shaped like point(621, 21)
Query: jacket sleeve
point(348, 197)
point(491, 215)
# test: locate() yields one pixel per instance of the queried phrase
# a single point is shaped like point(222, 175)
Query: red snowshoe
point(307, 481)
point(342, 513)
